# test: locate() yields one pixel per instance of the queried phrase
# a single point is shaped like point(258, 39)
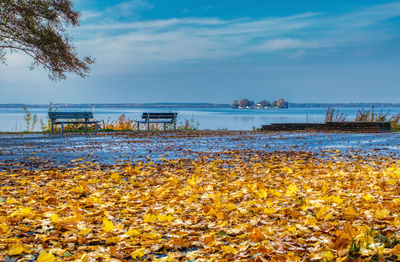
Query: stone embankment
point(331, 127)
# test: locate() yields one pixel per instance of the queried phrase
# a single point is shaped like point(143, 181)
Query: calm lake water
point(12, 119)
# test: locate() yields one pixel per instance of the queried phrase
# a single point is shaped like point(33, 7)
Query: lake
point(12, 119)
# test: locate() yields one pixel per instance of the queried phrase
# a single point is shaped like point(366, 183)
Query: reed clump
point(395, 122)
point(45, 126)
point(188, 125)
point(371, 116)
point(362, 115)
point(332, 115)
point(30, 121)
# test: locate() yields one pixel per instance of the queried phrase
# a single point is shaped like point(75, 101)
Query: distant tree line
point(245, 103)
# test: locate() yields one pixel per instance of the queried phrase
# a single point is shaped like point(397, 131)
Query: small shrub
point(188, 125)
point(395, 122)
point(370, 116)
point(29, 121)
point(331, 116)
point(122, 123)
point(46, 127)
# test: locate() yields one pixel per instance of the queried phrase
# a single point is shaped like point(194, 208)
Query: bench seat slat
point(158, 118)
point(81, 117)
point(76, 122)
point(154, 121)
point(70, 115)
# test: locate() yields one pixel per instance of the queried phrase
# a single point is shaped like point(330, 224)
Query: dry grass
point(122, 123)
point(331, 116)
point(371, 116)
point(395, 122)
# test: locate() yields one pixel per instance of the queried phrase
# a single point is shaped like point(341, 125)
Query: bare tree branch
point(38, 28)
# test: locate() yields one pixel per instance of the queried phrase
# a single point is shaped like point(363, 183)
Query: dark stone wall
point(331, 126)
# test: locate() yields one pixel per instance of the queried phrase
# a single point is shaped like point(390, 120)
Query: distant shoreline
point(195, 105)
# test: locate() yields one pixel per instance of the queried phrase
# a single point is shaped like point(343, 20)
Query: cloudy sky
point(217, 51)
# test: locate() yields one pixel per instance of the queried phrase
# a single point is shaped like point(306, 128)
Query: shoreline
point(195, 105)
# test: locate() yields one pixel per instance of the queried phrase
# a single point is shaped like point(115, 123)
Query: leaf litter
point(232, 205)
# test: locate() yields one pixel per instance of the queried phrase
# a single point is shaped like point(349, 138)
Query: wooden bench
point(84, 117)
point(157, 118)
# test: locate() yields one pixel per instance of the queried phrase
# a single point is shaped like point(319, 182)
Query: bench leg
point(62, 128)
point(138, 127)
point(85, 126)
point(95, 127)
point(165, 126)
point(148, 125)
point(52, 126)
point(174, 125)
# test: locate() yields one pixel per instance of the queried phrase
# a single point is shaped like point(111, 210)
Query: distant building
point(245, 103)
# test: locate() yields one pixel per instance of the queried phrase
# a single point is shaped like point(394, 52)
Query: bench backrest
point(171, 116)
point(70, 115)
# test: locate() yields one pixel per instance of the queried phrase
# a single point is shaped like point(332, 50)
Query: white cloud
point(89, 15)
point(154, 24)
point(172, 40)
point(128, 8)
point(370, 15)
point(130, 45)
point(288, 44)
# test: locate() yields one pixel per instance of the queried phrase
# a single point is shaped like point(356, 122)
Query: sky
point(217, 51)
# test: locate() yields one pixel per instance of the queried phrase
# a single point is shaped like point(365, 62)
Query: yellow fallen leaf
point(3, 228)
point(23, 212)
point(396, 250)
point(368, 197)
point(84, 231)
point(337, 199)
point(382, 213)
point(149, 218)
point(107, 225)
point(152, 236)
point(328, 256)
point(262, 193)
point(256, 235)
point(16, 249)
point(133, 233)
point(269, 211)
point(115, 176)
point(396, 222)
point(310, 221)
point(46, 257)
point(54, 219)
point(165, 218)
point(291, 190)
point(292, 229)
point(229, 250)
point(138, 253)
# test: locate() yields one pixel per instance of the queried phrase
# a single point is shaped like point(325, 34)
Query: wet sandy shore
point(32, 150)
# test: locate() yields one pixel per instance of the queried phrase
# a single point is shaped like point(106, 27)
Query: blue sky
point(217, 51)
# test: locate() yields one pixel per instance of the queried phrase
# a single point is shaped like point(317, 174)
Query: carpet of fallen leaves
point(281, 206)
